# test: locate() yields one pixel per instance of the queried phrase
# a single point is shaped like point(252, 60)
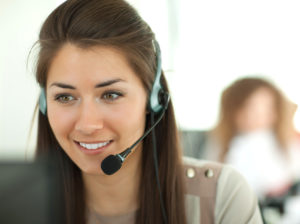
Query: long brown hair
point(89, 23)
point(235, 96)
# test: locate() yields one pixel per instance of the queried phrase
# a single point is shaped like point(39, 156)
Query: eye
point(64, 98)
point(111, 96)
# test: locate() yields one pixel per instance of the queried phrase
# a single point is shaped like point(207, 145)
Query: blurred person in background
point(255, 134)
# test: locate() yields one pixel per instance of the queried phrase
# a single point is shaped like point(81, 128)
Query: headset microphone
point(158, 102)
point(113, 163)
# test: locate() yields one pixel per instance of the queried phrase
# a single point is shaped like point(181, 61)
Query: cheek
point(128, 122)
point(61, 122)
point(243, 120)
point(130, 118)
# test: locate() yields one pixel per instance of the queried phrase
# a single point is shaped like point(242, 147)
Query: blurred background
point(206, 46)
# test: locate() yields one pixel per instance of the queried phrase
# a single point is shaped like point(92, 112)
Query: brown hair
point(235, 96)
point(114, 23)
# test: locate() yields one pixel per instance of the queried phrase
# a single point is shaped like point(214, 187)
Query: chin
point(91, 170)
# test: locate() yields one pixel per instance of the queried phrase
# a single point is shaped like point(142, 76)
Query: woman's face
point(96, 104)
point(258, 112)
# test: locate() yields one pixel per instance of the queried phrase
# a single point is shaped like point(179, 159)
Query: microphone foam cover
point(111, 164)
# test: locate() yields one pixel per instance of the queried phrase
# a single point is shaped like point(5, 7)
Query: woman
point(255, 134)
point(97, 65)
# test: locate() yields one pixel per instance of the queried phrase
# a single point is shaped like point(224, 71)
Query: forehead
point(262, 94)
point(101, 62)
point(263, 97)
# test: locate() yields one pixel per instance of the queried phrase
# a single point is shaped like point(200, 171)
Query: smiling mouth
point(93, 146)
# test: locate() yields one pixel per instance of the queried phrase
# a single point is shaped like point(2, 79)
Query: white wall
point(19, 21)
point(204, 48)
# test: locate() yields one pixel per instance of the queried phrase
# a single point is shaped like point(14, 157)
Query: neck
point(118, 193)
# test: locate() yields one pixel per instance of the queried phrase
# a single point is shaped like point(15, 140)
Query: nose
point(90, 119)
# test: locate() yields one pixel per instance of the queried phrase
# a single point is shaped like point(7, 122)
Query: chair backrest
point(193, 142)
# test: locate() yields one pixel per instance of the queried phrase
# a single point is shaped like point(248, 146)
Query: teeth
point(93, 146)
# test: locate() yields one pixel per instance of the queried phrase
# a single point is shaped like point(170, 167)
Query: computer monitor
point(30, 193)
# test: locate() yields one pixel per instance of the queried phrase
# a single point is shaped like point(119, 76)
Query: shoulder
point(204, 173)
point(201, 176)
point(222, 191)
point(235, 196)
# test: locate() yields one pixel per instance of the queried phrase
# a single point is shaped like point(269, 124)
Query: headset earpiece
point(164, 99)
point(157, 95)
point(42, 101)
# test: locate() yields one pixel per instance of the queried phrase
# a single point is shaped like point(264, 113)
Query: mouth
point(93, 147)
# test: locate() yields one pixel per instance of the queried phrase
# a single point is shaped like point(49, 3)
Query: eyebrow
point(62, 85)
point(109, 82)
point(99, 85)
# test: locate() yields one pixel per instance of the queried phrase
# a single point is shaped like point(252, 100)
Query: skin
point(258, 112)
point(94, 96)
